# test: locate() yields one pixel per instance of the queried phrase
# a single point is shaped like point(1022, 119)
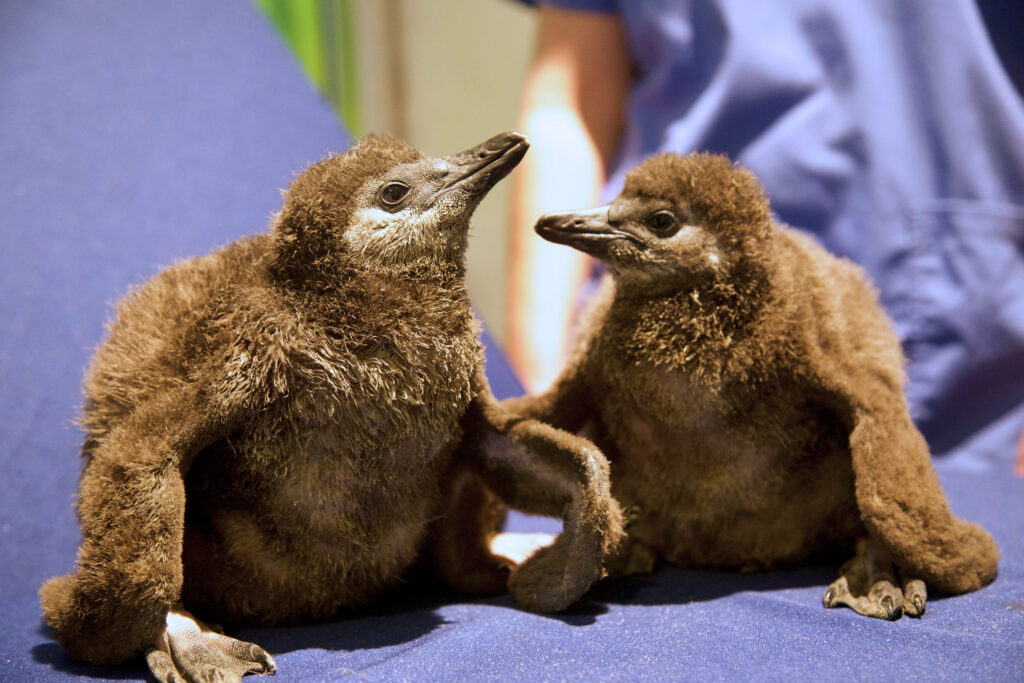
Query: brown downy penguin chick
point(273, 430)
point(746, 387)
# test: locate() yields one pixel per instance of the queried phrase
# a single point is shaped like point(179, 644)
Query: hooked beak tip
point(481, 168)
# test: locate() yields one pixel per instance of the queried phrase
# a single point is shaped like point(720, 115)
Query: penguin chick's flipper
point(468, 551)
point(131, 506)
point(897, 490)
point(872, 586)
point(538, 469)
point(189, 650)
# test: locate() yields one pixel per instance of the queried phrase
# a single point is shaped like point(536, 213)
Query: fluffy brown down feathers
point(274, 430)
point(747, 388)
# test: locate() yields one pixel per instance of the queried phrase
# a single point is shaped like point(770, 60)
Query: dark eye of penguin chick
point(392, 195)
point(663, 223)
point(678, 221)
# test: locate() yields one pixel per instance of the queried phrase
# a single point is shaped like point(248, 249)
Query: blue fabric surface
point(132, 135)
point(671, 625)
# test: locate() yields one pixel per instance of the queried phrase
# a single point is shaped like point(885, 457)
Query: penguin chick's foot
point(189, 650)
point(868, 584)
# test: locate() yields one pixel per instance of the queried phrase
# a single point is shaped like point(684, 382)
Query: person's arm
point(572, 110)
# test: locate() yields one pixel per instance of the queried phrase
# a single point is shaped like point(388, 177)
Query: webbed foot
point(869, 584)
point(189, 650)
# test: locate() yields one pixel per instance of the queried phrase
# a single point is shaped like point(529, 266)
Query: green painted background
point(321, 34)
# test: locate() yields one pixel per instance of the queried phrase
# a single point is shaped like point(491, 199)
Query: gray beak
point(588, 230)
point(479, 169)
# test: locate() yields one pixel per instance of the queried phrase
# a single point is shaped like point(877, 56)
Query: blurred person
point(893, 132)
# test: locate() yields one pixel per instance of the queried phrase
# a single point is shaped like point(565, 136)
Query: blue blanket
point(133, 135)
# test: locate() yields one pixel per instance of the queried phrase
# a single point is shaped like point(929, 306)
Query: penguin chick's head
point(678, 220)
point(385, 203)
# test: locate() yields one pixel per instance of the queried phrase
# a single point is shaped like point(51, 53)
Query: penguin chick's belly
point(747, 494)
point(321, 531)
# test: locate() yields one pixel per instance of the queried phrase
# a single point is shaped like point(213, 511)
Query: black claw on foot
point(914, 597)
point(263, 658)
point(891, 610)
point(873, 586)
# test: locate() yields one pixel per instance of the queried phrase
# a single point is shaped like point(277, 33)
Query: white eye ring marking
point(375, 218)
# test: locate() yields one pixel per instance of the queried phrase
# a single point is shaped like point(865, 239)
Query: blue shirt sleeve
point(603, 6)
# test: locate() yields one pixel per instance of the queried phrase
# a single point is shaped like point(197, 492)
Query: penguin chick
point(274, 430)
point(748, 390)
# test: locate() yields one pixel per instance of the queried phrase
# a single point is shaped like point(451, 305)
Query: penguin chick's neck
point(300, 270)
point(341, 289)
point(703, 328)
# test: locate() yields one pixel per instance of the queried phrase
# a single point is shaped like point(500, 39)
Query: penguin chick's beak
point(590, 230)
point(478, 169)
